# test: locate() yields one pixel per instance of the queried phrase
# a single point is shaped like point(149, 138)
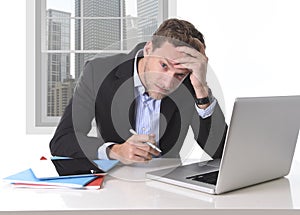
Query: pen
point(149, 144)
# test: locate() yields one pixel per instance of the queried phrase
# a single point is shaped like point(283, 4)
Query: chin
point(156, 96)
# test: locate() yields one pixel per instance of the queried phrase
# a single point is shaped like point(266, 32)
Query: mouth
point(161, 90)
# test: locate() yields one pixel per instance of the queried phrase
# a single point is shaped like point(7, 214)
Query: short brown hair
point(178, 32)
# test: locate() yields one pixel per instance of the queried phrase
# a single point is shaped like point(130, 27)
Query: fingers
point(191, 61)
point(195, 62)
point(134, 149)
point(140, 152)
point(147, 148)
point(129, 153)
point(191, 51)
point(198, 44)
point(185, 66)
point(187, 50)
point(190, 57)
point(142, 138)
point(185, 63)
point(139, 141)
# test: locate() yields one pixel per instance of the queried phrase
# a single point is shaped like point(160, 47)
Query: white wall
point(253, 46)
point(16, 148)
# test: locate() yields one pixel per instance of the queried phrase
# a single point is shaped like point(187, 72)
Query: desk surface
point(126, 189)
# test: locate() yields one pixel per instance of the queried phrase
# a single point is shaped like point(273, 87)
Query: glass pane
point(141, 8)
point(147, 27)
point(105, 8)
point(59, 33)
point(137, 31)
point(62, 6)
point(77, 36)
point(60, 83)
point(131, 8)
point(101, 34)
point(147, 9)
point(101, 8)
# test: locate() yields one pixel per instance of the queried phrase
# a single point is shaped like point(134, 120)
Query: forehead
point(168, 51)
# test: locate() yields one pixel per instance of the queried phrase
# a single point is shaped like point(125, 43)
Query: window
point(63, 34)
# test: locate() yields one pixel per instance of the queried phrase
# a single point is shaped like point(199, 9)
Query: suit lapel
point(122, 108)
point(167, 111)
point(171, 118)
point(132, 114)
point(124, 83)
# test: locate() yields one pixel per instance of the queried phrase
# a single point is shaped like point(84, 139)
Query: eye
point(164, 66)
point(180, 75)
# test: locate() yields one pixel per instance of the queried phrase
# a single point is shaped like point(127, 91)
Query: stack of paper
point(27, 179)
point(43, 174)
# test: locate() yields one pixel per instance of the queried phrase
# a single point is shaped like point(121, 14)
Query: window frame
point(37, 121)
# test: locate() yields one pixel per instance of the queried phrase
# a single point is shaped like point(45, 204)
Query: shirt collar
point(138, 86)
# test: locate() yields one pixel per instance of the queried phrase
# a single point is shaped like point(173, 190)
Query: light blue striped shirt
point(147, 111)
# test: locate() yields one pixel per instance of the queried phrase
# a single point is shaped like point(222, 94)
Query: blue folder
point(27, 176)
point(106, 165)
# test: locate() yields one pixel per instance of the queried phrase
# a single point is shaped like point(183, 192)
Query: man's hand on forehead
point(196, 62)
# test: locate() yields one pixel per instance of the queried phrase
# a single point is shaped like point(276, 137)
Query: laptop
point(259, 147)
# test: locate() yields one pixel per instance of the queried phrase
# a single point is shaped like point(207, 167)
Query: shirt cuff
point(102, 153)
point(207, 112)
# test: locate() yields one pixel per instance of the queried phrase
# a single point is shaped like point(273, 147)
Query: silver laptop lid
point(260, 142)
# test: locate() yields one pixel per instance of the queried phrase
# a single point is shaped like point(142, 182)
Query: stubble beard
point(152, 93)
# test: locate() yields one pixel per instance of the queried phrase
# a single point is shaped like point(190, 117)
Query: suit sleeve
point(71, 136)
point(210, 133)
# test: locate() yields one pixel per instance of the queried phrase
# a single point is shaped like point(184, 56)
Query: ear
point(148, 48)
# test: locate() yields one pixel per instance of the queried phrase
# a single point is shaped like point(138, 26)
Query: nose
point(169, 81)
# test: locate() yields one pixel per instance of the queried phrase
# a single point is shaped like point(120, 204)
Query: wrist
point(203, 96)
point(201, 91)
point(112, 151)
point(202, 103)
point(203, 106)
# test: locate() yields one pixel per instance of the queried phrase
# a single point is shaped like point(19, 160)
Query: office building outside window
point(102, 33)
point(70, 32)
point(58, 38)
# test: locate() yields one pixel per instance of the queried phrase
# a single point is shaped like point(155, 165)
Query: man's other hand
point(134, 149)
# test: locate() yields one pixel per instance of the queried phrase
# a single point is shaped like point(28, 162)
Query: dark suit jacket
point(105, 93)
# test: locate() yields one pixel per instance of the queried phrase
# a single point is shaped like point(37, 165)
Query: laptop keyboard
point(209, 178)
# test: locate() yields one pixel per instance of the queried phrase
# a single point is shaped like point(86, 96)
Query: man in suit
point(159, 89)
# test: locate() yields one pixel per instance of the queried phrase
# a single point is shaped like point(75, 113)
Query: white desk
point(134, 195)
